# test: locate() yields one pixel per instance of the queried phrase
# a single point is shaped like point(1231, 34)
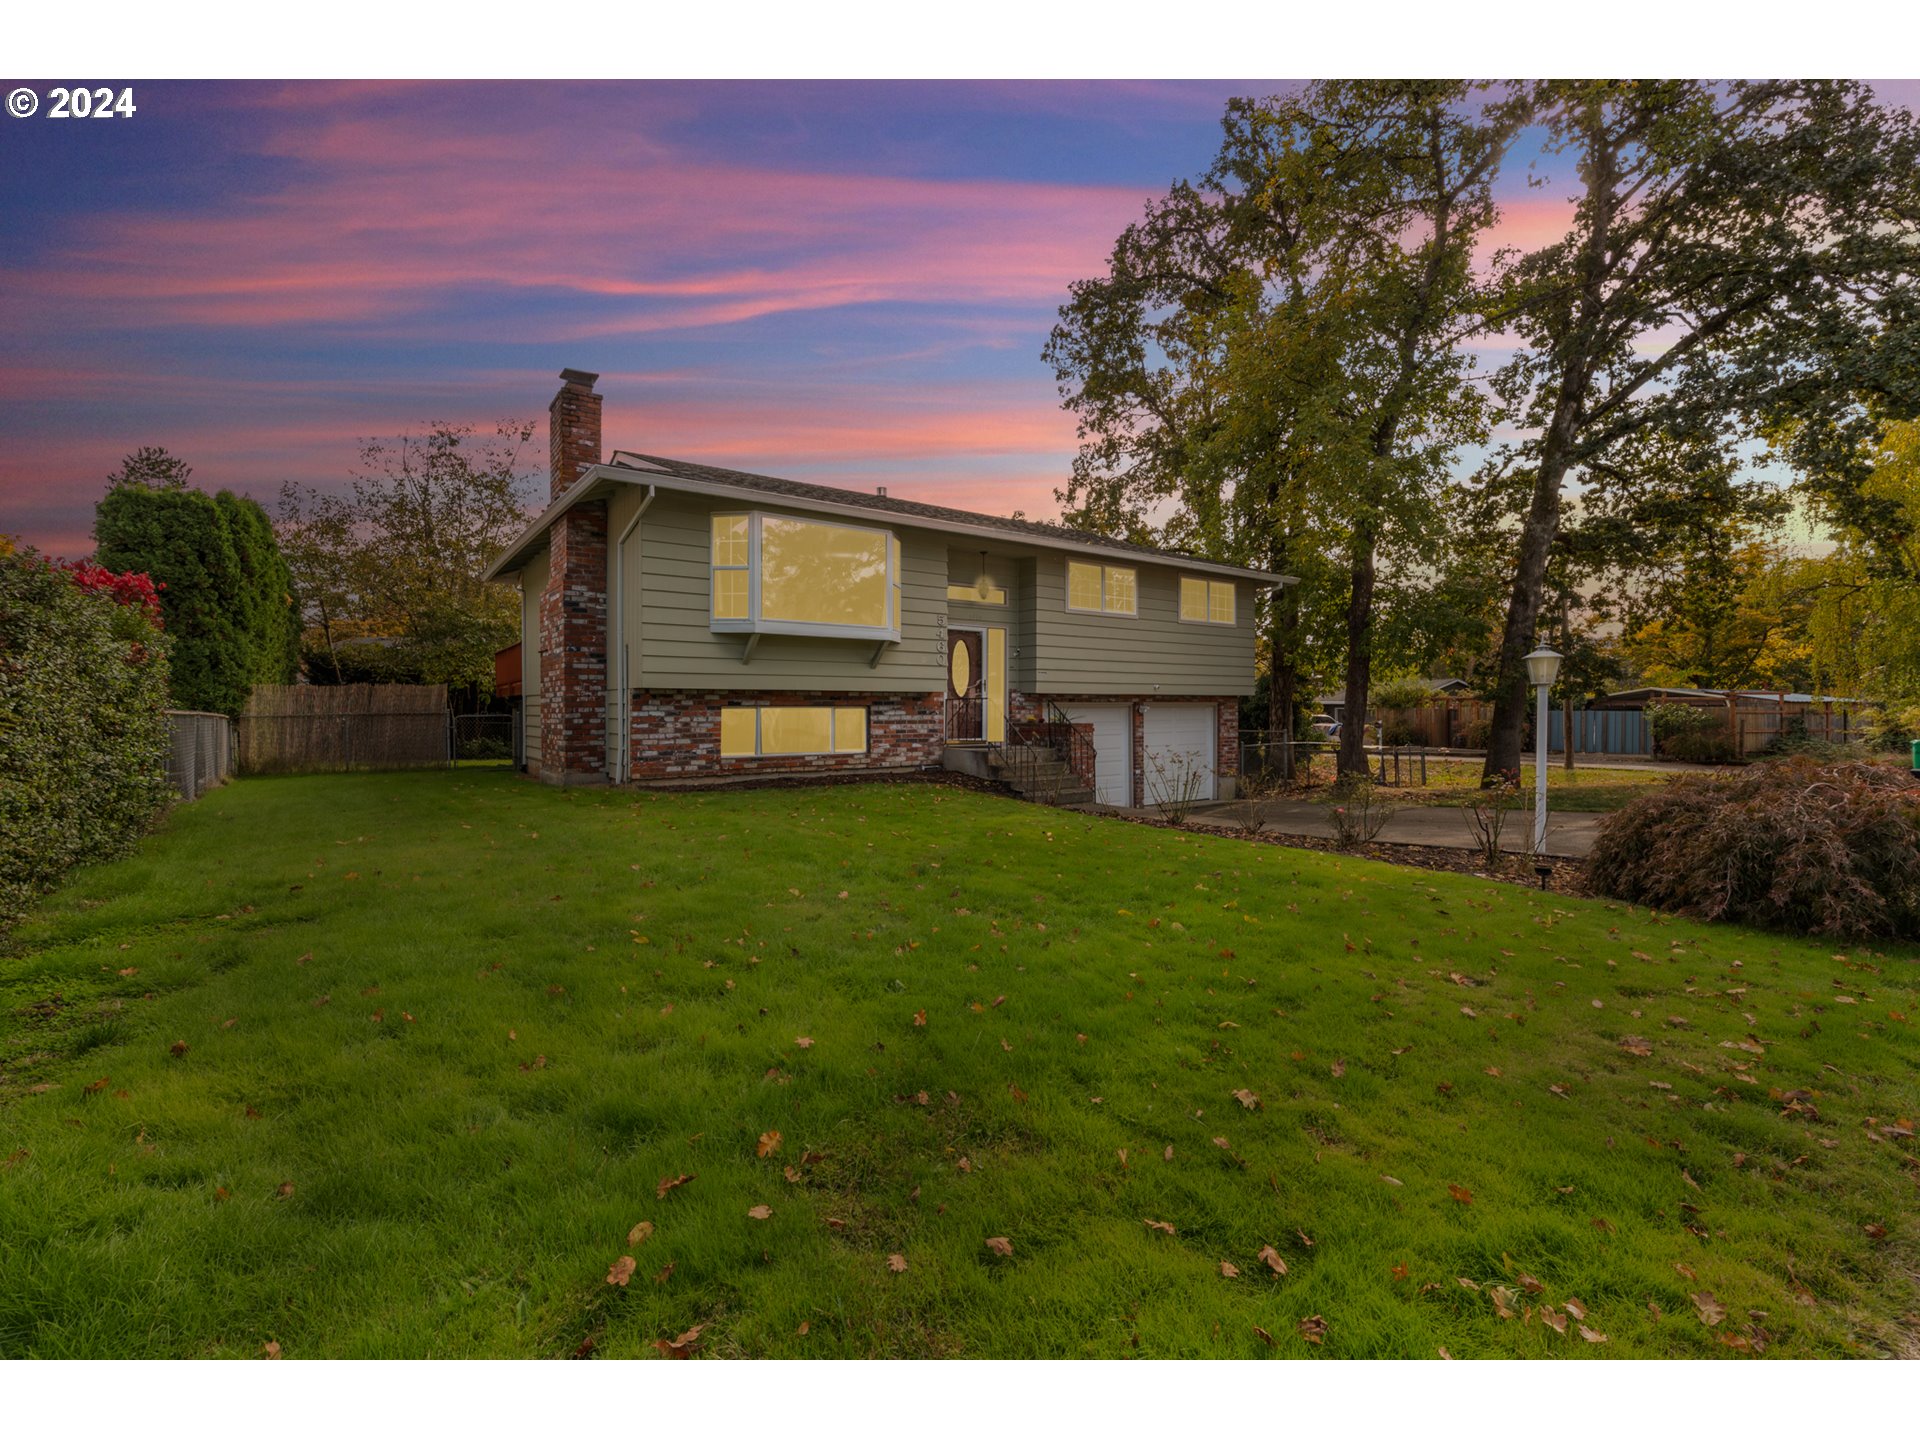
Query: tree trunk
point(1283, 672)
point(1353, 729)
point(1505, 730)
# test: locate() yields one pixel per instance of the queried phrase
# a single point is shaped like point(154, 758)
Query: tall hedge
point(83, 736)
point(224, 587)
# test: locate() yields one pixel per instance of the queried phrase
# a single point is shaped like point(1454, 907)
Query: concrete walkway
point(1570, 834)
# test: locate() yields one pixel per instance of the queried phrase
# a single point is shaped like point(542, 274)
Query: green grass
point(607, 989)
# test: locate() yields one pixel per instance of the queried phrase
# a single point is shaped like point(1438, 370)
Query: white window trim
point(754, 625)
point(1102, 567)
point(833, 725)
point(1209, 581)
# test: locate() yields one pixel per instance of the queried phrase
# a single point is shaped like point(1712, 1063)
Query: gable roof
point(630, 467)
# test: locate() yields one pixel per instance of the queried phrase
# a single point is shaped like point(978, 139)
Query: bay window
point(786, 575)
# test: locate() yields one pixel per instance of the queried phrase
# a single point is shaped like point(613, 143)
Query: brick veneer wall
point(676, 733)
point(1029, 708)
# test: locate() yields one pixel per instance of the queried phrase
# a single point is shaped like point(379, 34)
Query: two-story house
point(682, 621)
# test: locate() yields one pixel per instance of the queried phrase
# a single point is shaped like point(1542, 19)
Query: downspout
point(620, 637)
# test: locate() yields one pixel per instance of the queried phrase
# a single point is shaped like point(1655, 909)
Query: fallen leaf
point(896, 1263)
point(1604, 1225)
point(769, 1142)
point(794, 1177)
point(1270, 1257)
point(1466, 1284)
point(271, 1350)
point(621, 1271)
point(640, 1233)
point(919, 1018)
point(965, 1166)
point(1004, 1045)
point(1689, 1179)
point(1554, 1318)
point(1305, 1239)
point(1461, 1193)
point(1313, 1329)
point(286, 1189)
point(178, 1048)
point(1000, 1245)
point(1443, 1353)
point(1167, 1154)
point(1575, 1308)
point(760, 1212)
point(1635, 1045)
point(1529, 1284)
point(665, 1273)
point(670, 1182)
point(1338, 1068)
point(1503, 1299)
point(806, 1325)
point(1592, 1337)
point(583, 1349)
point(682, 1346)
point(805, 1042)
point(1229, 1270)
point(1390, 1180)
point(1399, 1272)
point(1161, 1225)
point(1493, 1070)
point(1877, 1232)
point(1265, 1338)
point(1247, 1098)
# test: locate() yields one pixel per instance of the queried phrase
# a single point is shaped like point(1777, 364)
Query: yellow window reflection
point(822, 574)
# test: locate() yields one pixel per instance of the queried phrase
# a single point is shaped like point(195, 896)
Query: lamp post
point(1543, 668)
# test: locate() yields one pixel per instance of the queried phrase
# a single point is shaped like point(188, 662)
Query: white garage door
point(1112, 750)
point(1179, 750)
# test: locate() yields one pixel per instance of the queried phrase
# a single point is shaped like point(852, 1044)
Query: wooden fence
point(298, 729)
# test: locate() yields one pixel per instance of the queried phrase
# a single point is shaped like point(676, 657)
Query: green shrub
point(1797, 844)
point(223, 587)
point(83, 736)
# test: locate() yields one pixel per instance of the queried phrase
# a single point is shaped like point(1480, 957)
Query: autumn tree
point(398, 555)
point(1271, 363)
point(1739, 266)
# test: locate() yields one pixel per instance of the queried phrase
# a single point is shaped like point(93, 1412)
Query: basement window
point(1206, 602)
point(748, 730)
point(778, 574)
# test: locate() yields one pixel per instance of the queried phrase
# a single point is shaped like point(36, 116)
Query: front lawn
point(400, 1064)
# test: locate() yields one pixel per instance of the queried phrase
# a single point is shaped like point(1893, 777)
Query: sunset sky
point(843, 282)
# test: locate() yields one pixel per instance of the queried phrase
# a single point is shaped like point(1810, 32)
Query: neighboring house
point(685, 622)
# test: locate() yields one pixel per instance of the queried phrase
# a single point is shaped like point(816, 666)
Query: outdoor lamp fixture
point(1543, 668)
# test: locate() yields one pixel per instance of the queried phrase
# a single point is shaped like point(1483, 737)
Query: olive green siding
point(676, 650)
point(1077, 653)
point(659, 619)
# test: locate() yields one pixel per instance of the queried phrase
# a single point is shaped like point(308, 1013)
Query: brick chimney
point(573, 431)
point(573, 608)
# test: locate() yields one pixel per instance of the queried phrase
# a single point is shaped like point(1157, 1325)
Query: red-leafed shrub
point(131, 589)
point(1798, 844)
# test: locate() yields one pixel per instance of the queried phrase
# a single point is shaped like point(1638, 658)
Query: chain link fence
point(200, 752)
point(484, 739)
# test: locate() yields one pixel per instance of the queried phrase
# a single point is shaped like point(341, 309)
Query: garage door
point(1112, 750)
point(1179, 751)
